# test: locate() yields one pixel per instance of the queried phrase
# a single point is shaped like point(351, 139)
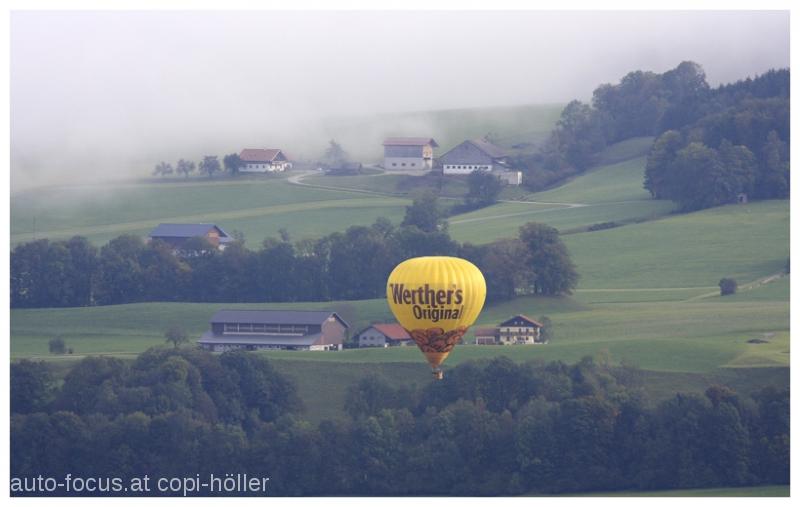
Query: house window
point(413, 164)
point(403, 164)
point(394, 164)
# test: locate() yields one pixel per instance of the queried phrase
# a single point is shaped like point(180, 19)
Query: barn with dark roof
point(176, 235)
point(274, 329)
point(473, 155)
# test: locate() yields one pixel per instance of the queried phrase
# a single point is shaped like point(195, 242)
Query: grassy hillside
point(607, 193)
point(520, 126)
point(689, 250)
point(692, 336)
point(260, 206)
point(647, 292)
point(256, 207)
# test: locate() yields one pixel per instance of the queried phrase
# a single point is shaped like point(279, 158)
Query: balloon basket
point(438, 374)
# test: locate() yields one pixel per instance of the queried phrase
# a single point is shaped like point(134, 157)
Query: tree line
point(209, 166)
point(750, 114)
point(348, 265)
point(489, 428)
point(742, 150)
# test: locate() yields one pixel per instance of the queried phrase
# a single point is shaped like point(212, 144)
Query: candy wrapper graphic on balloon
point(436, 299)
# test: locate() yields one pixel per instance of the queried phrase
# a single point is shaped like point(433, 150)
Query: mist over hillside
point(106, 95)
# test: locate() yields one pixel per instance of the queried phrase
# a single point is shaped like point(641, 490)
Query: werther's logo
point(428, 302)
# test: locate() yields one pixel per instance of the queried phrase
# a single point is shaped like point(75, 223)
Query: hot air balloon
point(436, 299)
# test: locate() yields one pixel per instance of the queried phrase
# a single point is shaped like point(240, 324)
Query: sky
point(106, 95)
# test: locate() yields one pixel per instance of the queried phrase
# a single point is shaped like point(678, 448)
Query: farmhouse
point(384, 335)
point(176, 235)
point(473, 155)
point(257, 160)
point(518, 330)
point(274, 329)
point(408, 153)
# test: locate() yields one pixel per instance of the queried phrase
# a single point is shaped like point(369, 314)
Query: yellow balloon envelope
point(436, 299)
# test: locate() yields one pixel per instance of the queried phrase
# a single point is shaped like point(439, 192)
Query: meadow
point(647, 292)
point(520, 127)
point(259, 208)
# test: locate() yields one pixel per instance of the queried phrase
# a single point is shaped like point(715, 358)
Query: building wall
point(333, 332)
point(465, 169)
point(519, 334)
point(464, 159)
point(265, 167)
point(414, 157)
point(406, 163)
point(371, 337)
point(511, 177)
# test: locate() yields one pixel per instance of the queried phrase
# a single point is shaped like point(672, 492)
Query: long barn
point(274, 329)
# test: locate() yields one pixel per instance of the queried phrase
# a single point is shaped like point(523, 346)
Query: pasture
point(520, 127)
point(681, 336)
point(688, 250)
point(256, 207)
point(647, 292)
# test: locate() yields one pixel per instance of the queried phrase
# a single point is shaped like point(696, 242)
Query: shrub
point(57, 346)
point(727, 286)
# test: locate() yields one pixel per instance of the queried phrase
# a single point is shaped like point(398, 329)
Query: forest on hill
point(712, 144)
point(491, 428)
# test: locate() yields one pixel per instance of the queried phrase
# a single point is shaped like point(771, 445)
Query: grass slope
point(607, 193)
point(521, 126)
point(258, 208)
point(695, 336)
point(689, 250)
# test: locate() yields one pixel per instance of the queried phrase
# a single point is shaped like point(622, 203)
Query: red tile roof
point(258, 154)
point(392, 331)
point(409, 141)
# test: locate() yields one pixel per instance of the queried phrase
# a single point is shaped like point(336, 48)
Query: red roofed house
point(408, 153)
point(384, 335)
point(257, 160)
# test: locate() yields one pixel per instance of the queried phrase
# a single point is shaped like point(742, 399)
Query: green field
point(607, 193)
point(689, 250)
point(256, 207)
point(647, 292)
point(681, 336)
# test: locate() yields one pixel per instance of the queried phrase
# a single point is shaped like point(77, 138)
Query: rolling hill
point(647, 292)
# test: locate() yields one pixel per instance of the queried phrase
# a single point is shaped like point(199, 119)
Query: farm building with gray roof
point(274, 329)
point(177, 235)
point(473, 155)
